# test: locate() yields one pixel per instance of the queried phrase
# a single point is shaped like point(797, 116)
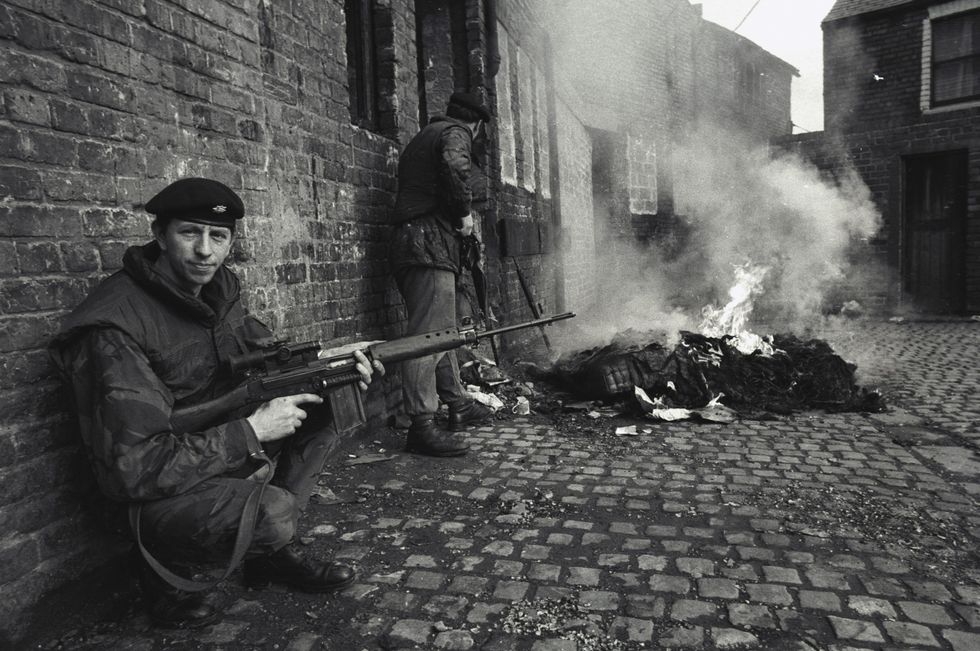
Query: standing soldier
point(432, 214)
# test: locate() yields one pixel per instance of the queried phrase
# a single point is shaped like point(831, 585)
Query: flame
point(731, 319)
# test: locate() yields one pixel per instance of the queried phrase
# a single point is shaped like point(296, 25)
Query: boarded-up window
point(505, 116)
point(525, 97)
point(544, 155)
point(956, 58)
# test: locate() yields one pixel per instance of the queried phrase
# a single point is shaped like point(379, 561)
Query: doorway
point(934, 229)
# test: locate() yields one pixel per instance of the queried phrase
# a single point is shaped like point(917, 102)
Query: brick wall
point(578, 236)
point(741, 86)
point(872, 70)
point(104, 103)
point(523, 193)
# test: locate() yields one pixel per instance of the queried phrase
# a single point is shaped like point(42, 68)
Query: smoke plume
point(737, 204)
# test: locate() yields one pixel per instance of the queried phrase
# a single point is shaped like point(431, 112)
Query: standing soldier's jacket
point(433, 173)
point(434, 196)
point(137, 348)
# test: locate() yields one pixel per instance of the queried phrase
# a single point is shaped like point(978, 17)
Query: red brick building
point(303, 107)
point(902, 106)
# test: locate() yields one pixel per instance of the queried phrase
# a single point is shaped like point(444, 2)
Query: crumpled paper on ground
point(714, 411)
point(488, 399)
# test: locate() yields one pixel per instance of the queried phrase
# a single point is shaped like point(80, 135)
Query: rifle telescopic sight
point(280, 355)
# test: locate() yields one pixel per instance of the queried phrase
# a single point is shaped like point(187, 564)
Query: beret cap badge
point(198, 200)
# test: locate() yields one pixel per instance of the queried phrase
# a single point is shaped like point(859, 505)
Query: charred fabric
point(799, 375)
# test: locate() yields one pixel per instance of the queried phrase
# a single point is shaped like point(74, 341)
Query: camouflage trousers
point(200, 525)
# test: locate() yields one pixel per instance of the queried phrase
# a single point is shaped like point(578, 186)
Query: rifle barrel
point(526, 324)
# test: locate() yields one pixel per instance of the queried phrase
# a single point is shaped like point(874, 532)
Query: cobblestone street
point(812, 531)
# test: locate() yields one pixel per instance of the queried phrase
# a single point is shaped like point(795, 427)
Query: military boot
point(167, 606)
point(287, 566)
point(468, 413)
point(425, 438)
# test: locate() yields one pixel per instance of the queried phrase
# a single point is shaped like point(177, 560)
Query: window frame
point(926, 93)
point(974, 55)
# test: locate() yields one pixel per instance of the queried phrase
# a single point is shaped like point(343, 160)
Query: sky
point(790, 29)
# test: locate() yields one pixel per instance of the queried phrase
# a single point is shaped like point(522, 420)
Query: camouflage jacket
point(137, 348)
point(434, 173)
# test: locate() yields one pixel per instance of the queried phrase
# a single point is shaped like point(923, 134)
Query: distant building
point(902, 106)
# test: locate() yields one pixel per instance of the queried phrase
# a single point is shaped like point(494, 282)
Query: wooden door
point(933, 269)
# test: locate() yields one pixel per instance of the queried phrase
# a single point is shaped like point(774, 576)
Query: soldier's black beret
point(198, 200)
point(471, 102)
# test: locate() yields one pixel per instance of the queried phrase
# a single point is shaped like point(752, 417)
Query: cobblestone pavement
point(814, 531)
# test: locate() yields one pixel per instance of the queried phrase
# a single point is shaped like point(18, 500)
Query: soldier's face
point(194, 252)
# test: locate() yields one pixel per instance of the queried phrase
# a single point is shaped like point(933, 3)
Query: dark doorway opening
point(934, 229)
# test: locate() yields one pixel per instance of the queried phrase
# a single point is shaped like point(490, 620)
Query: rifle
point(284, 370)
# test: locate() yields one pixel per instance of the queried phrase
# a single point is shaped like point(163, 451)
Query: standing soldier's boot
point(167, 606)
point(425, 438)
point(468, 413)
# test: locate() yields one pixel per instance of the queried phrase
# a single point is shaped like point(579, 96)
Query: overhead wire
point(746, 16)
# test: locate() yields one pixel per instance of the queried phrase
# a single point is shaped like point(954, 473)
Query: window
point(748, 84)
point(956, 58)
point(361, 63)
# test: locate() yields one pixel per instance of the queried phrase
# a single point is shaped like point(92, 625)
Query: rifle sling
point(243, 539)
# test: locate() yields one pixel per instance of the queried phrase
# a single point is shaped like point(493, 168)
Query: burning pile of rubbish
point(724, 367)
point(797, 375)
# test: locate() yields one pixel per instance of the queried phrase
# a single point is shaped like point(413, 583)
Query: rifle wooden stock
point(333, 378)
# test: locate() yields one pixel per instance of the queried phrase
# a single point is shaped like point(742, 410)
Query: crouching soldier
point(152, 338)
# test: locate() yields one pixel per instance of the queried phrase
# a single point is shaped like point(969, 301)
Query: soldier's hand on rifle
point(366, 369)
point(280, 417)
point(467, 228)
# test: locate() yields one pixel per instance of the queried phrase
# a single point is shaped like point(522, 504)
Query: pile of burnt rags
point(799, 375)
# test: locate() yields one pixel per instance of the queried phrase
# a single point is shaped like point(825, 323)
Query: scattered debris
point(939, 540)
point(565, 619)
point(488, 399)
point(851, 309)
point(323, 495)
point(369, 458)
point(521, 510)
point(523, 407)
point(478, 370)
point(656, 409)
point(323, 530)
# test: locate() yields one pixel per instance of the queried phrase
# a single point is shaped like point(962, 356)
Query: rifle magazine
point(346, 407)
